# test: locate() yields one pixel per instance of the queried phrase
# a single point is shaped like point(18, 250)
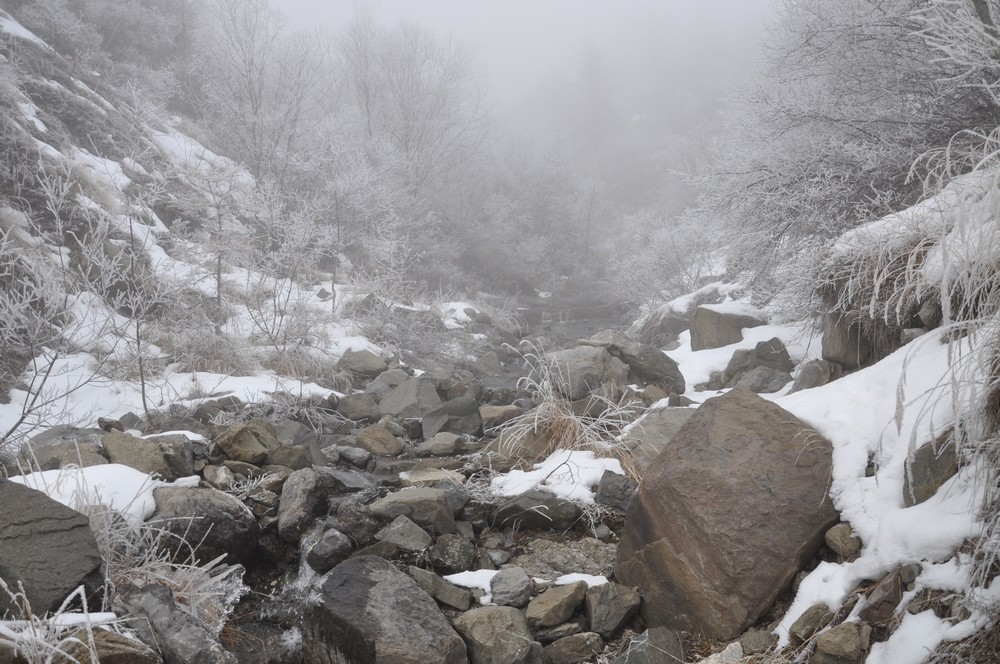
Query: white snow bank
point(736, 308)
point(858, 414)
point(565, 473)
point(12, 27)
point(121, 488)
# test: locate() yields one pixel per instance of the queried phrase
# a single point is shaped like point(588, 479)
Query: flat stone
point(425, 506)
point(555, 605)
point(443, 591)
point(405, 534)
point(574, 649)
point(379, 441)
point(540, 510)
point(610, 607)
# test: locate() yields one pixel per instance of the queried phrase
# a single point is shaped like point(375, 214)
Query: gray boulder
point(653, 434)
point(62, 446)
point(303, 499)
point(764, 380)
point(610, 607)
point(330, 550)
point(385, 382)
point(726, 516)
point(511, 587)
point(359, 406)
point(574, 649)
point(368, 612)
point(425, 506)
point(404, 534)
point(482, 627)
point(441, 590)
point(538, 509)
point(459, 416)
point(362, 363)
point(411, 399)
point(931, 466)
point(657, 645)
point(555, 605)
point(46, 547)
point(214, 522)
point(176, 634)
point(647, 362)
point(814, 373)
point(713, 326)
point(143, 455)
point(578, 371)
point(379, 441)
point(511, 648)
point(845, 343)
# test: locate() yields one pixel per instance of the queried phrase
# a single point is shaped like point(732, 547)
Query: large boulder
point(714, 326)
point(61, 446)
point(578, 371)
point(647, 362)
point(654, 432)
point(362, 363)
point(845, 343)
point(143, 455)
point(44, 546)
point(726, 516)
point(213, 522)
point(481, 627)
point(411, 399)
point(368, 612)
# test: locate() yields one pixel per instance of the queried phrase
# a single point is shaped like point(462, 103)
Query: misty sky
point(660, 49)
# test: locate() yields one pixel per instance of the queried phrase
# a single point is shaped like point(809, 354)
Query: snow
point(567, 474)
point(858, 414)
point(480, 579)
point(915, 638)
point(121, 488)
point(697, 366)
point(736, 308)
point(31, 112)
point(590, 579)
point(12, 27)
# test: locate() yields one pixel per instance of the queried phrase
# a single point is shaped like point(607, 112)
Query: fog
point(668, 63)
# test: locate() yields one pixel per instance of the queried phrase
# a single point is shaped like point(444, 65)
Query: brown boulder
point(715, 328)
point(726, 515)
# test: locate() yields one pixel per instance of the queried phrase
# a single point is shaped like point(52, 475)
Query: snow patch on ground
point(567, 474)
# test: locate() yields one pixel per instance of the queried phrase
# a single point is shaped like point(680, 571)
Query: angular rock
point(459, 416)
point(214, 522)
point(426, 507)
point(610, 607)
point(880, 606)
point(180, 637)
point(815, 618)
point(363, 363)
point(178, 452)
point(578, 371)
point(538, 509)
point(842, 540)
point(616, 491)
point(452, 554)
point(555, 605)
point(550, 559)
point(410, 399)
point(295, 457)
point(359, 406)
point(433, 477)
point(353, 455)
point(385, 382)
point(61, 446)
point(715, 326)
point(329, 551)
point(573, 649)
point(844, 342)
point(441, 444)
point(655, 432)
point(576, 625)
point(377, 440)
point(303, 499)
point(369, 612)
point(658, 645)
point(647, 362)
point(482, 627)
point(404, 534)
point(143, 455)
point(511, 648)
point(511, 587)
point(932, 465)
point(841, 644)
point(45, 546)
point(757, 641)
point(494, 416)
point(441, 590)
point(726, 516)
point(240, 442)
point(764, 380)
point(814, 373)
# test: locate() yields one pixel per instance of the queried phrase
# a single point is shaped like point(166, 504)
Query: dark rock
point(412, 398)
point(329, 551)
point(713, 328)
point(573, 649)
point(764, 380)
point(932, 465)
point(178, 452)
point(369, 612)
point(511, 587)
point(303, 499)
point(452, 554)
point(46, 547)
point(616, 491)
point(814, 373)
point(880, 606)
point(844, 342)
point(610, 607)
point(180, 637)
point(757, 641)
point(404, 534)
point(726, 516)
point(459, 416)
point(355, 521)
point(353, 455)
point(538, 509)
point(658, 645)
point(647, 362)
point(549, 634)
point(482, 627)
point(214, 522)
